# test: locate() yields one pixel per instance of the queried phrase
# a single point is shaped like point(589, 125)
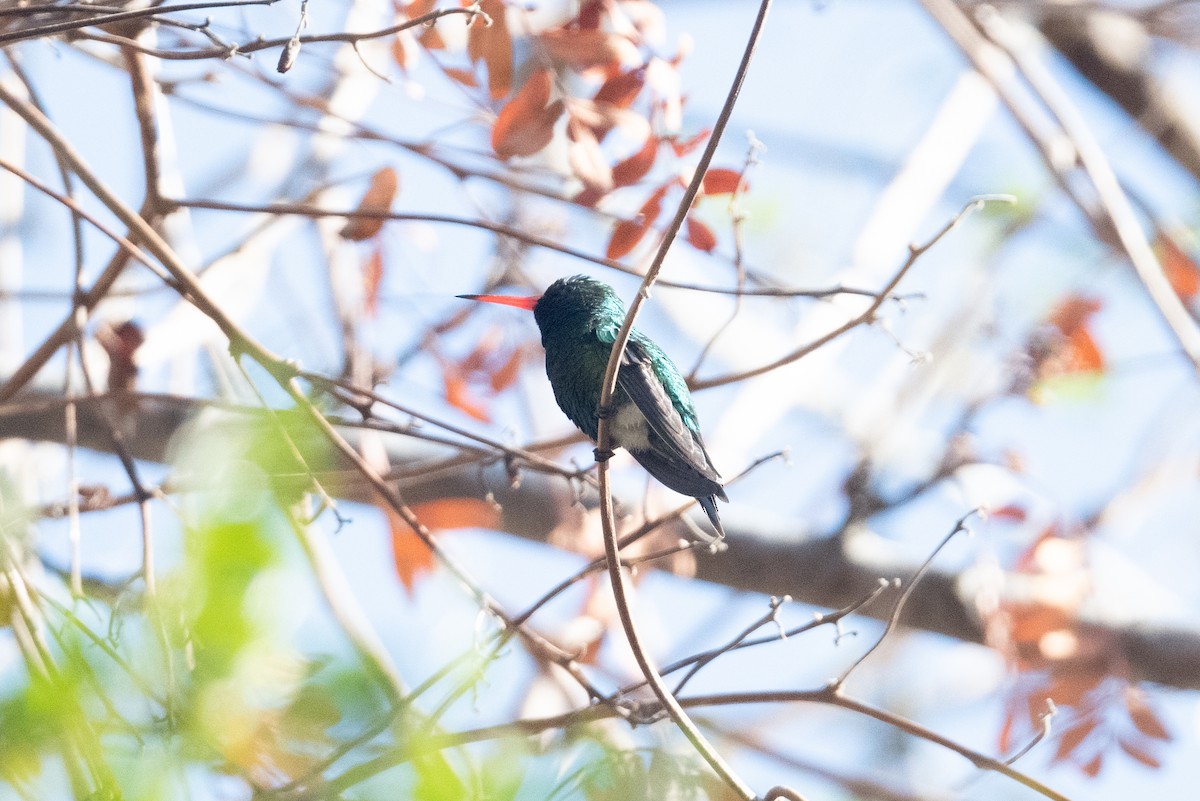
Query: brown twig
point(868, 315)
point(309, 210)
point(397, 755)
point(69, 328)
point(1112, 216)
point(24, 34)
point(894, 620)
point(604, 434)
point(268, 44)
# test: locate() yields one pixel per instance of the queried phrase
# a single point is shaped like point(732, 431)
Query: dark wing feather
point(679, 460)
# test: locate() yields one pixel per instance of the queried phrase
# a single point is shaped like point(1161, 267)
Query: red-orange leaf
point(721, 181)
point(621, 90)
point(1072, 738)
point(506, 374)
point(625, 237)
point(700, 236)
point(1092, 766)
point(633, 169)
point(419, 8)
point(428, 35)
point(459, 395)
point(411, 556)
point(492, 44)
point(450, 513)
point(404, 50)
point(1085, 353)
point(1143, 716)
point(526, 124)
point(378, 198)
point(589, 14)
point(372, 278)
point(588, 196)
point(1074, 312)
point(582, 49)
point(688, 145)
point(1145, 757)
point(1004, 741)
point(1012, 512)
point(1079, 352)
point(431, 39)
point(628, 233)
point(464, 77)
point(585, 157)
point(1180, 269)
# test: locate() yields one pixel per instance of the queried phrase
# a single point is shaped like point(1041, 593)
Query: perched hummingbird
point(651, 412)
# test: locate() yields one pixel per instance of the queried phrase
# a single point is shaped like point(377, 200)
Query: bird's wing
point(639, 381)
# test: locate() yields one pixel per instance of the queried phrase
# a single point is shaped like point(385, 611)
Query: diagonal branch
point(1113, 219)
point(604, 434)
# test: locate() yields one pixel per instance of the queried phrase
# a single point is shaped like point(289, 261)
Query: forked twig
point(915, 252)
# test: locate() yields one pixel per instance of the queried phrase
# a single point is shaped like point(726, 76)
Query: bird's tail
point(709, 504)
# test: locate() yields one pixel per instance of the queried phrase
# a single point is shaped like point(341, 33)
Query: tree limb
point(766, 556)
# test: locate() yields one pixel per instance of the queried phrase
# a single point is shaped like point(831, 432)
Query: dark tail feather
point(709, 504)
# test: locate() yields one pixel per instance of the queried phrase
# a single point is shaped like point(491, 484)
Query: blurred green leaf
point(436, 780)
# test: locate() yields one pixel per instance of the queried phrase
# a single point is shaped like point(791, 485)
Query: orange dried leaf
point(603, 117)
point(506, 374)
point(459, 395)
point(378, 198)
point(633, 169)
point(1074, 349)
point(1005, 740)
point(1012, 512)
point(585, 157)
point(628, 233)
point(721, 181)
point(1143, 717)
point(1180, 269)
point(404, 51)
point(1073, 313)
point(492, 44)
point(1145, 757)
point(476, 361)
point(588, 196)
point(1092, 766)
point(589, 16)
point(526, 124)
point(464, 77)
point(700, 236)
point(625, 237)
point(1072, 738)
point(1084, 354)
point(1031, 621)
point(442, 514)
point(372, 278)
point(411, 556)
point(1071, 685)
point(581, 49)
point(431, 39)
point(682, 148)
point(621, 90)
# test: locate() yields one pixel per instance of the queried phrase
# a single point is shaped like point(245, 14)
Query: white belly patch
point(630, 429)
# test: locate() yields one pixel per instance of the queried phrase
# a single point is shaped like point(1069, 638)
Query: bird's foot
point(602, 455)
point(606, 411)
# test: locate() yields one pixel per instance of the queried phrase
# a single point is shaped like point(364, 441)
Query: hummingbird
point(651, 412)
